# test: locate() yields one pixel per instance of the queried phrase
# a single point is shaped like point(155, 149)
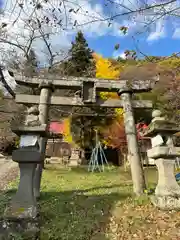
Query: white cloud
point(120, 54)
point(155, 35)
point(176, 33)
point(159, 31)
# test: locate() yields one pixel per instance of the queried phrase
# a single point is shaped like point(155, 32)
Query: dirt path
point(8, 172)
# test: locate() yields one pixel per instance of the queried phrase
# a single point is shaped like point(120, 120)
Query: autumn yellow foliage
point(106, 70)
point(170, 63)
point(67, 130)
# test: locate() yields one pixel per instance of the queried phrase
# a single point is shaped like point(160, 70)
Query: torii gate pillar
point(46, 91)
point(132, 142)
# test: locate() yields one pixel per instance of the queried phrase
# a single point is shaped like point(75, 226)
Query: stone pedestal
point(21, 215)
point(73, 163)
point(74, 160)
point(23, 204)
point(166, 202)
point(167, 193)
point(167, 184)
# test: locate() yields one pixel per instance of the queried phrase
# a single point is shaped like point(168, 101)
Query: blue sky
point(160, 47)
point(161, 39)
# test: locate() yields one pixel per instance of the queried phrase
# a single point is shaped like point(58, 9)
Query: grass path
point(77, 205)
point(8, 171)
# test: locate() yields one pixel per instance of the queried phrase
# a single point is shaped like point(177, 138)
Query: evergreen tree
point(81, 62)
point(31, 64)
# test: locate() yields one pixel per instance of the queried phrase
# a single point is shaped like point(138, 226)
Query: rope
point(97, 154)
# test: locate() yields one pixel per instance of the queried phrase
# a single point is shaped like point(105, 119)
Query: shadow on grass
point(75, 216)
point(72, 215)
point(83, 170)
point(78, 191)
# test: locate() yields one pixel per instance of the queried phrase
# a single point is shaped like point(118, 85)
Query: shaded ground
point(77, 205)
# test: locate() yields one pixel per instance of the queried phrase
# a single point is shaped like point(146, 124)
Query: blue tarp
point(177, 176)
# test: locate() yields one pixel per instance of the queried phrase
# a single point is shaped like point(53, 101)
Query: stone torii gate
point(89, 87)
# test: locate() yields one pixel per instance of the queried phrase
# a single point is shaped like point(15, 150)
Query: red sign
point(56, 127)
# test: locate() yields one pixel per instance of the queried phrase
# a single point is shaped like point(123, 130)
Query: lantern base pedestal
point(166, 202)
point(16, 211)
point(20, 223)
point(12, 227)
point(167, 193)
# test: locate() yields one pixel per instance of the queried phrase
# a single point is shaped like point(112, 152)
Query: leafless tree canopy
point(48, 21)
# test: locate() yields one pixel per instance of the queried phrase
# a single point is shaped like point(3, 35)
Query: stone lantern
point(22, 212)
point(161, 131)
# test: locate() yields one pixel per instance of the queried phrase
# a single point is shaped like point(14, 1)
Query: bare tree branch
point(6, 85)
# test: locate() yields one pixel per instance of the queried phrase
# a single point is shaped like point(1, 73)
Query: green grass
point(77, 205)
